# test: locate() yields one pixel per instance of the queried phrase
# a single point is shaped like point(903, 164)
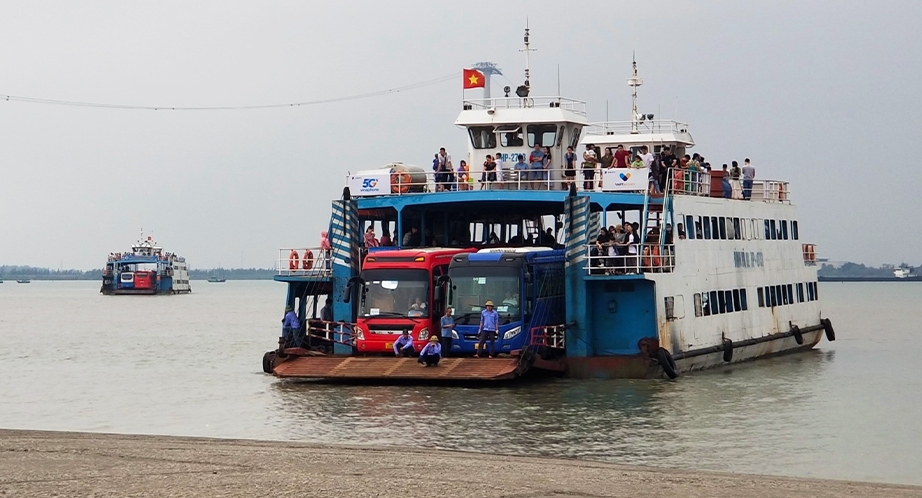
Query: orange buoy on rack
point(308, 261)
point(293, 260)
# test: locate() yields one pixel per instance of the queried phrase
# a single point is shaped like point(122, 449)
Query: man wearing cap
point(489, 321)
point(290, 325)
point(431, 353)
point(403, 346)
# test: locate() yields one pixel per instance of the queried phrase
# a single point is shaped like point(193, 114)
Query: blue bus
point(527, 287)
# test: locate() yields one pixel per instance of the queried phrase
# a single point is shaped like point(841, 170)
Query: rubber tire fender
point(268, 360)
point(664, 358)
point(830, 332)
point(728, 350)
point(795, 331)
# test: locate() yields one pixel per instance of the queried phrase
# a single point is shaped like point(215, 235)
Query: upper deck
point(639, 132)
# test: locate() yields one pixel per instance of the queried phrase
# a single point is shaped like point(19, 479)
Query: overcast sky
point(823, 94)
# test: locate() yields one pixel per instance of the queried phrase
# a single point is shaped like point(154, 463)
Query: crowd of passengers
point(413, 238)
point(115, 256)
point(533, 172)
point(616, 250)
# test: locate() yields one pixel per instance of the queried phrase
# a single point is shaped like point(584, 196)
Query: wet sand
point(38, 463)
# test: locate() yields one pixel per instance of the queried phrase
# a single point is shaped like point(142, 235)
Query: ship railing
point(304, 262)
point(633, 128)
point(685, 182)
point(551, 179)
point(653, 258)
point(498, 103)
point(548, 336)
point(710, 184)
point(335, 332)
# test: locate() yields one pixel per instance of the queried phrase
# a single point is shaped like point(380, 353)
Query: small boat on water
point(214, 279)
point(24, 281)
point(146, 269)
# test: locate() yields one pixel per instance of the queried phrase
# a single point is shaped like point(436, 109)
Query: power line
point(34, 100)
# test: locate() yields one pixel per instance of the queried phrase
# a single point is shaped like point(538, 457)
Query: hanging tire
point(795, 331)
point(827, 326)
point(665, 360)
point(728, 350)
point(268, 361)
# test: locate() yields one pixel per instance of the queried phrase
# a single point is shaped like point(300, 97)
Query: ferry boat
point(146, 269)
point(710, 281)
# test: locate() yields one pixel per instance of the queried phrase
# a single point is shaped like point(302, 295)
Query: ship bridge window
point(544, 135)
point(482, 137)
point(510, 135)
point(784, 229)
point(574, 140)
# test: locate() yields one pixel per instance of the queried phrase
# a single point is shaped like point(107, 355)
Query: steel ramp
point(381, 368)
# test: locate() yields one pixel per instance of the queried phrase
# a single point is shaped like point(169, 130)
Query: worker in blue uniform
point(403, 346)
point(431, 353)
point(290, 326)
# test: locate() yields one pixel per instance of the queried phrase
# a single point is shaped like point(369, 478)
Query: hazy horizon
point(812, 92)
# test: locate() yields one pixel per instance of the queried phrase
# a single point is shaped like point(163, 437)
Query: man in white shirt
point(648, 159)
point(500, 173)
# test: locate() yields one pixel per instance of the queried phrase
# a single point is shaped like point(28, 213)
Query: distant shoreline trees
point(14, 272)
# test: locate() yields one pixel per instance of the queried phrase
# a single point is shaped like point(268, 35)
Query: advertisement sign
point(370, 184)
point(621, 179)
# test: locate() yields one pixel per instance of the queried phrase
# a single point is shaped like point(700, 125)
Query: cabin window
point(785, 299)
point(791, 293)
point(560, 136)
point(698, 233)
point(800, 292)
point(722, 226)
point(482, 137)
point(722, 301)
point(728, 296)
point(544, 135)
point(707, 227)
point(768, 231)
point(690, 223)
point(713, 299)
point(816, 291)
point(510, 136)
point(770, 296)
point(574, 141)
point(794, 234)
point(670, 308)
point(705, 307)
point(774, 230)
point(715, 228)
point(737, 306)
point(699, 306)
point(761, 297)
point(737, 231)
point(743, 304)
point(809, 292)
point(784, 229)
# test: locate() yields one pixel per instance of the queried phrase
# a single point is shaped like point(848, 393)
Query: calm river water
point(71, 359)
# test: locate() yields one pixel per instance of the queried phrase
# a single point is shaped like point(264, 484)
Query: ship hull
point(142, 292)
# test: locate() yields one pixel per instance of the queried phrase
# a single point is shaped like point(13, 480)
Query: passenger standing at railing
point(386, 238)
point(326, 250)
point(667, 161)
point(736, 188)
point(749, 174)
point(725, 183)
point(521, 173)
point(692, 175)
point(649, 161)
point(445, 175)
point(621, 157)
point(536, 163)
point(569, 168)
point(464, 175)
point(501, 175)
point(589, 162)
point(607, 161)
point(326, 313)
point(632, 239)
point(488, 177)
point(547, 169)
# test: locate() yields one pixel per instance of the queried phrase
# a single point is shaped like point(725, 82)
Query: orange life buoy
point(308, 262)
point(293, 260)
point(400, 183)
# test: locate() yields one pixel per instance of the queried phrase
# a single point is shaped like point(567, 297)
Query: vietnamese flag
point(473, 79)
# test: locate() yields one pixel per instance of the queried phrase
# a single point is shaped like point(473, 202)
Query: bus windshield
point(396, 293)
point(473, 287)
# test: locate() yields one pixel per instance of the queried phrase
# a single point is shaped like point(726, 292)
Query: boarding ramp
point(383, 369)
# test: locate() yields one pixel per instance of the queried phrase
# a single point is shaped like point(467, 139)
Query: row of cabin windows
point(727, 228)
point(545, 135)
point(780, 295)
point(717, 302)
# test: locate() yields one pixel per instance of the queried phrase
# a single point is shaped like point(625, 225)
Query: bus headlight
point(454, 334)
point(514, 331)
point(359, 333)
point(424, 334)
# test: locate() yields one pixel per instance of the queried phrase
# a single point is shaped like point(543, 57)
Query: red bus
point(400, 292)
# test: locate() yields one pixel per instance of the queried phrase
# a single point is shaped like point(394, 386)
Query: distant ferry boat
point(712, 279)
point(146, 269)
point(217, 279)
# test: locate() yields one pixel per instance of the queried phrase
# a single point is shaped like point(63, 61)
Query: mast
point(634, 81)
point(527, 59)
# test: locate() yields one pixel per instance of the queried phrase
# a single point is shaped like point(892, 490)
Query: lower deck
point(360, 368)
